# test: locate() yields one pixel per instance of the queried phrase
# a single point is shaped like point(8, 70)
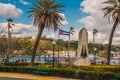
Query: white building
point(115, 55)
point(70, 54)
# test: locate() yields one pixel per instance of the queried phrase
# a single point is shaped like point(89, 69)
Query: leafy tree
point(10, 25)
point(111, 10)
point(46, 14)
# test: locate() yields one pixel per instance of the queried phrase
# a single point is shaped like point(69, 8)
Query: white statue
point(82, 51)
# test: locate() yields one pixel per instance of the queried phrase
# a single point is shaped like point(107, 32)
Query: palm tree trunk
point(40, 30)
point(8, 46)
point(110, 40)
point(94, 47)
point(93, 42)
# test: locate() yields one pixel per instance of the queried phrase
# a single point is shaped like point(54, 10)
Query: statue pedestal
point(82, 62)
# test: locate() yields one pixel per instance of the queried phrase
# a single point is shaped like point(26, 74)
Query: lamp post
point(58, 51)
point(53, 52)
point(95, 49)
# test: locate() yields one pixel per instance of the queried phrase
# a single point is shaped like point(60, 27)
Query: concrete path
point(9, 78)
point(19, 76)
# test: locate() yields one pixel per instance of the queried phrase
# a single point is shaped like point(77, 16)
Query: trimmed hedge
point(47, 65)
point(63, 73)
point(101, 69)
point(83, 75)
point(91, 75)
point(19, 69)
point(86, 73)
point(19, 64)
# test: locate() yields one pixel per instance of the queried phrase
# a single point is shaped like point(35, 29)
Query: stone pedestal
point(82, 62)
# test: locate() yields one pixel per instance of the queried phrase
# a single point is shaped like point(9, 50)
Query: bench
point(117, 76)
point(42, 71)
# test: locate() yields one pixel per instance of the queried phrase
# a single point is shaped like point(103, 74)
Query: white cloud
point(95, 20)
point(24, 2)
point(52, 35)
point(21, 30)
point(65, 22)
point(99, 37)
point(74, 36)
point(9, 10)
point(25, 30)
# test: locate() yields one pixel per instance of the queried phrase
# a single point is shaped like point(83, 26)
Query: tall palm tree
point(46, 14)
point(111, 10)
point(71, 31)
point(10, 25)
point(94, 33)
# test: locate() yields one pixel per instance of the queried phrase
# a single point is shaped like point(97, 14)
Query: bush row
point(69, 73)
point(91, 75)
point(24, 64)
point(96, 68)
point(83, 75)
point(101, 69)
point(19, 69)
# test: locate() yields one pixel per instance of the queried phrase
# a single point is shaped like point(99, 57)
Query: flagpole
point(68, 46)
point(62, 32)
point(58, 49)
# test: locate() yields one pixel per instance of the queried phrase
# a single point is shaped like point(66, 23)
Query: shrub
point(63, 73)
point(91, 75)
point(85, 72)
point(100, 69)
point(16, 64)
point(20, 69)
point(20, 64)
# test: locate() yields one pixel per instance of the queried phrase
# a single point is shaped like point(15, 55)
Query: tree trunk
point(93, 42)
point(8, 46)
point(93, 48)
point(110, 40)
point(40, 30)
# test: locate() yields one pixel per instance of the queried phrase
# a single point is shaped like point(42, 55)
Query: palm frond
point(47, 12)
point(110, 2)
point(119, 1)
point(95, 31)
point(10, 20)
point(111, 10)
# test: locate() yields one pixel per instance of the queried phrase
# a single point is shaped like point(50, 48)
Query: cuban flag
point(62, 32)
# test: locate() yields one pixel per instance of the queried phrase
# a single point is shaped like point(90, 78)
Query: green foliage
point(18, 44)
point(20, 69)
point(91, 75)
point(83, 72)
point(3, 45)
point(16, 64)
point(45, 65)
point(100, 68)
point(69, 73)
point(25, 45)
point(20, 64)
point(10, 20)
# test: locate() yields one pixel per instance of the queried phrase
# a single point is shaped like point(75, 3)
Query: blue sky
point(78, 14)
point(71, 10)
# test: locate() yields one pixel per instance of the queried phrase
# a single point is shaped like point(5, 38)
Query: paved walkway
point(19, 76)
point(9, 78)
